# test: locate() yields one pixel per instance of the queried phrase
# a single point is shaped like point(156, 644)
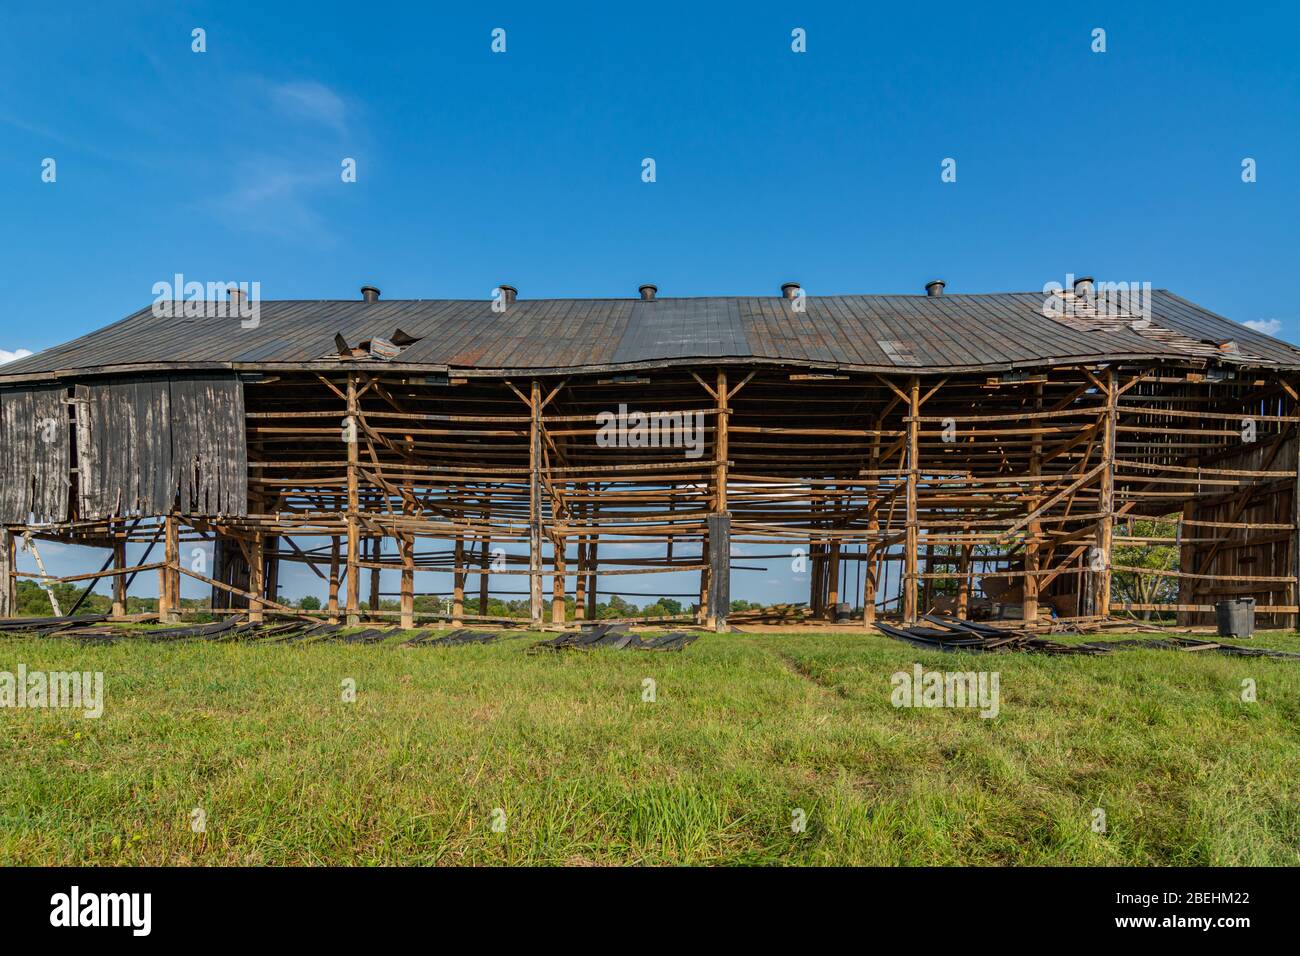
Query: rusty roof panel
point(877, 332)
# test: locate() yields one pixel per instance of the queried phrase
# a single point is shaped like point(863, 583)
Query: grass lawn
point(746, 730)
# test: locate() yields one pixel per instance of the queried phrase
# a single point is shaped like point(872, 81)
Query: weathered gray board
point(34, 449)
point(145, 446)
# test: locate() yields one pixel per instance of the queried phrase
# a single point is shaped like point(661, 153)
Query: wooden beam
point(913, 477)
point(353, 608)
point(535, 505)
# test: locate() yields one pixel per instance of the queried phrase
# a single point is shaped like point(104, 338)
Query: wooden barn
point(1008, 454)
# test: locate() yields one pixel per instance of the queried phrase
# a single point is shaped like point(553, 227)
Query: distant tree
point(310, 603)
point(1156, 555)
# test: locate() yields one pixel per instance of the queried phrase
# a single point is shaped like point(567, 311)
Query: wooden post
point(557, 580)
point(169, 584)
point(8, 598)
point(535, 506)
point(332, 604)
point(963, 581)
point(458, 582)
point(703, 616)
point(720, 576)
point(1295, 517)
point(1105, 524)
point(119, 580)
point(580, 583)
point(376, 555)
point(913, 473)
point(833, 558)
point(1029, 600)
point(256, 578)
point(353, 610)
point(592, 598)
point(871, 580)
point(718, 597)
point(485, 561)
point(406, 543)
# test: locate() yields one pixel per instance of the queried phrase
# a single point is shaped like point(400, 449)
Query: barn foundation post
point(557, 579)
point(406, 546)
point(377, 557)
point(256, 577)
point(913, 474)
point(1029, 602)
point(580, 582)
point(535, 504)
point(169, 583)
point(353, 610)
point(119, 579)
point(1106, 523)
point(719, 577)
point(332, 597)
point(458, 582)
point(484, 562)
point(870, 576)
point(8, 598)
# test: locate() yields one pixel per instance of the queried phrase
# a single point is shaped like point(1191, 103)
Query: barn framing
point(917, 450)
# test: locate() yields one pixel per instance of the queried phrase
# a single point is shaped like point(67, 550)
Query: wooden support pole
point(119, 581)
point(535, 505)
point(557, 580)
point(1029, 601)
point(871, 575)
point(256, 578)
point(1295, 517)
point(580, 583)
point(702, 617)
point(8, 598)
point(332, 602)
point(485, 562)
point(406, 543)
point(913, 475)
point(353, 609)
point(592, 598)
point(169, 584)
point(715, 581)
point(376, 555)
point(458, 582)
point(1106, 524)
point(964, 581)
point(720, 571)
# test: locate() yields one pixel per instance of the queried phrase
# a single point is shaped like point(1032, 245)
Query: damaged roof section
point(940, 333)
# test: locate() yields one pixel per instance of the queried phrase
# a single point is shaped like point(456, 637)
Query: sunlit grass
point(745, 731)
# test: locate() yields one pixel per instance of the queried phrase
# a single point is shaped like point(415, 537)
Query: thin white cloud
point(1267, 326)
point(309, 100)
point(273, 197)
point(7, 356)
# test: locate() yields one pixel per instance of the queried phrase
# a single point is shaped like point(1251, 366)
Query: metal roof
point(867, 332)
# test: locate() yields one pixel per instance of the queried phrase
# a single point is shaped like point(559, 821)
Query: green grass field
point(746, 730)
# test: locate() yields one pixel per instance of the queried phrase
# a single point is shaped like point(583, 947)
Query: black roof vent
point(369, 293)
point(648, 292)
point(934, 287)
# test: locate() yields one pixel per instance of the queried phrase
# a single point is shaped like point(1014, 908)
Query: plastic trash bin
point(1236, 617)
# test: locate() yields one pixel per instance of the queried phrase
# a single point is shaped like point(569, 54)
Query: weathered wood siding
point(148, 445)
point(34, 450)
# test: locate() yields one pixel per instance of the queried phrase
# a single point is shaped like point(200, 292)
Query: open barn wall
point(1013, 454)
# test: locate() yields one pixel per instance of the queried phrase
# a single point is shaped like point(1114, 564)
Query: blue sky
point(475, 168)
